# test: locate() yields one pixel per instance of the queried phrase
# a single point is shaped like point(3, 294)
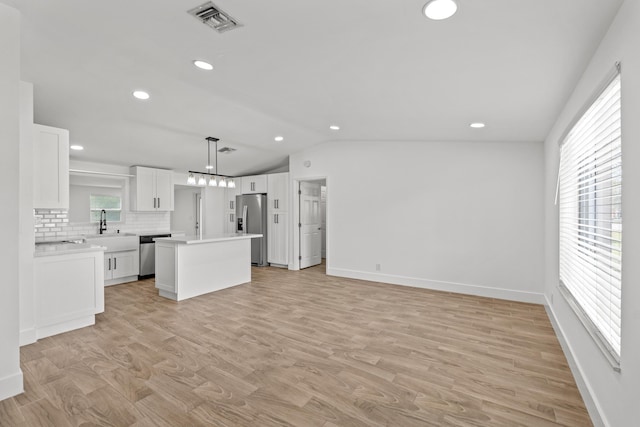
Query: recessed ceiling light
point(279, 138)
point(334, 127)
point(477, 125)
point(76, 147)
point(440, 9)
point(203, 65)
point(140, 94)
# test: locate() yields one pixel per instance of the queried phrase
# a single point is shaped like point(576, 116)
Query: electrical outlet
point(377, 267)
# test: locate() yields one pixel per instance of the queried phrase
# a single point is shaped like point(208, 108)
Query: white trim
point(437, 285)
point(593, 406)
point(11, 385)
point(65, 325)
point(27, 336)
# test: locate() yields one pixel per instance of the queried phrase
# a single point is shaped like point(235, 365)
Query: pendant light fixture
point(214, 179)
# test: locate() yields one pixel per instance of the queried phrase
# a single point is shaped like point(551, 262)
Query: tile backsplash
point(53, 224)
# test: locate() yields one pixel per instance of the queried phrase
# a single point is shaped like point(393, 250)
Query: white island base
point(189, 266)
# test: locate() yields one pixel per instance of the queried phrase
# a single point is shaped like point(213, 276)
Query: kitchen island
point(188, 266)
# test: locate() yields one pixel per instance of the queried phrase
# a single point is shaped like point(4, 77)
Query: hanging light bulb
point(213, 182)
point(231, 184)
point(191, 180)
point(202, 181)
point(223, 182)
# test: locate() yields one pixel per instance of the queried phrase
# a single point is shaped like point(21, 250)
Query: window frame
point(607, 349)
point(120, 210)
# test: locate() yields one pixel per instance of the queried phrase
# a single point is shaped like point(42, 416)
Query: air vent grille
point(211, 15)
point(226, 150)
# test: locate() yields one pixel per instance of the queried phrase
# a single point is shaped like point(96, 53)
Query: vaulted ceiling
point(377, 68)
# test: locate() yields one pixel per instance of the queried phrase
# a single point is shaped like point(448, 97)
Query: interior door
point(198, 214)
point(310, 225)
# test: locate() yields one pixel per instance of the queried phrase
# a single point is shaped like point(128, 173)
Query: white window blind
point(590, 205)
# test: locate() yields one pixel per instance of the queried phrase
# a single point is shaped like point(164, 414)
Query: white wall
point(10, 373)
point(184, 216)
point(610, 396)
point(27, 234)
point(213, 210)
point(457, 216)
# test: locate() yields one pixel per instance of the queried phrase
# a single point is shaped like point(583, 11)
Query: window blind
point(590, 207)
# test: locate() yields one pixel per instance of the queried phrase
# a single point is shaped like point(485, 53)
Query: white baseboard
point(66, 326)
point(27, 336)
point(11, 385)
point(583, 385)
point(121, 280)
point(460, 288)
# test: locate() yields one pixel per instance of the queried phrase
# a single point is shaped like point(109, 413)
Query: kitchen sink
point(114, 242)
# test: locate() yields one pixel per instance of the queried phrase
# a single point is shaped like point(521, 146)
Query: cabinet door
point(124, 264)
point(164, 190)
point(254, 184)
point(230, 199)
point(278, 192)
point(108, 272)
point(230, 222)
point(278, 242)
point(145, 193)
point(50, 167)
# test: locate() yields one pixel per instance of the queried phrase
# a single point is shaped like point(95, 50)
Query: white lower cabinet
point(68, 292)
point(277, 251)
point(121, 267)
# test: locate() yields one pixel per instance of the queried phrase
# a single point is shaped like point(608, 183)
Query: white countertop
point(210, 238)
point(50, 249)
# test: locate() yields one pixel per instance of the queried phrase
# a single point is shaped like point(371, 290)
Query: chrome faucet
point(103, 221)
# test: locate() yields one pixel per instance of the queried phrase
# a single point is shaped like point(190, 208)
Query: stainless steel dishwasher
point(148, 255)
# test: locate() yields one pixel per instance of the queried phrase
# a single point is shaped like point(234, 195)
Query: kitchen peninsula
point(188, 266)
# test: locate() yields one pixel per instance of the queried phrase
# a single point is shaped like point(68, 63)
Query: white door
point(198, 214)
point(310, 225)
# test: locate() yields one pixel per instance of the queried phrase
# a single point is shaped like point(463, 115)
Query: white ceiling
point(378, 68)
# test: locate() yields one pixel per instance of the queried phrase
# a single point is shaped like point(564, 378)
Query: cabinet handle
point(230, 217)
point(115, 263)
point(158, 202)
point(231, 204)
point(154, 203)
point(109, 264)
point(275, 219)
point(253, 186)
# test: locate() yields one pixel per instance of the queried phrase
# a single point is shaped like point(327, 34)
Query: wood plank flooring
point(300, 349)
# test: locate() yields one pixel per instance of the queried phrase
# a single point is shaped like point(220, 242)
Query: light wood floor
point(301, 349)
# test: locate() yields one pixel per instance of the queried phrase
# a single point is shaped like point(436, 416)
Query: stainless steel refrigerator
point(251, 217)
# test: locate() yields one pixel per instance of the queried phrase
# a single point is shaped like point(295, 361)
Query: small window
point(112, 205)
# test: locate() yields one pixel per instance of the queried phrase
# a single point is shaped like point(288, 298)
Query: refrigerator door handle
point(244, 219)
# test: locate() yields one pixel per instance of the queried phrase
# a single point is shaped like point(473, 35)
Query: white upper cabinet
point(278, 192)
point(151, 189)
point(50, 167)
point(254, 184)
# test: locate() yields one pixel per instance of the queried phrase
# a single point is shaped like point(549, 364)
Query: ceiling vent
point(211, 15)
point(226, 150)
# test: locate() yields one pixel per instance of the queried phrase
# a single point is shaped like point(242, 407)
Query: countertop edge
point(194, 240)
point(66, 251)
